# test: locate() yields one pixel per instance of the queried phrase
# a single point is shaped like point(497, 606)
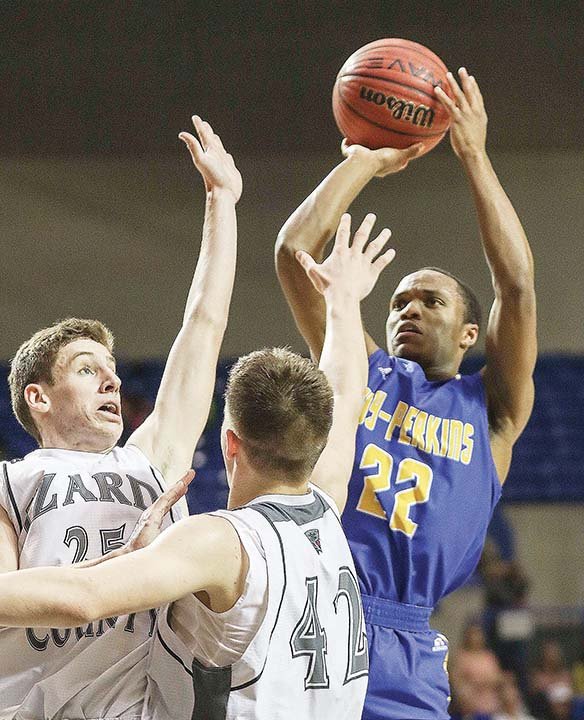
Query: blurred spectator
point(508, 625)
point(578, 673)
point(551, 668)
point(550, 683)
point(511, 706)
point(475, 675)
point(559, 702)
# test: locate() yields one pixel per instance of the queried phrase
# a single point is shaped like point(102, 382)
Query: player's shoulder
point(20, 465)
point(128, 451)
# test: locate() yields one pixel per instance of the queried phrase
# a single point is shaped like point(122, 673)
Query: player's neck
point(57, 441)
point(247, 485)
point(441, 373)
point(435, 371)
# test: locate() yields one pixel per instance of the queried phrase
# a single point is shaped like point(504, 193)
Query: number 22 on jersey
point(409, 469)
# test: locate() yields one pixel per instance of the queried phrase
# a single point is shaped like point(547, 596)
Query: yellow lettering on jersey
point(407, 424)
point(432, 443)
point(396, 419)
point(374, 458)
point(419, 430)
point(467, 443)
point(410, 469)
point(375, 409)
point(366, 405)
point(444, 437)
point(455, 440)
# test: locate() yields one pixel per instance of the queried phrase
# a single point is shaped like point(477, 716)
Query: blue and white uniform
point(421, 495)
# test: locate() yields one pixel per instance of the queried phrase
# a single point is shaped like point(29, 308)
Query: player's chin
point(111, 431)
point(408, 351)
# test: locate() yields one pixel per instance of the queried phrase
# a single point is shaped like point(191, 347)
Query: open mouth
point(111, 409)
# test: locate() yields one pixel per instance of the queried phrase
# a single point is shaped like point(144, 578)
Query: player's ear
point(36, 398)
point(232, 444)
point(470, 335)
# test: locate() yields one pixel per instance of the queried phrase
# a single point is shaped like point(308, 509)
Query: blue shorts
point(408, 679)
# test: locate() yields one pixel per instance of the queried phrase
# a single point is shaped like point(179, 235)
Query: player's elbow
point(285, 248)
point(82, 603)
point(206, 322)
point(517, 281)
point(518, 289)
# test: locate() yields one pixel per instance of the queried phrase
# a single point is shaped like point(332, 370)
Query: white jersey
point(294, 644)
point(67, 506)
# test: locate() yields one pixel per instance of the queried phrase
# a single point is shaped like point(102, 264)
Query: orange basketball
point(384, 96)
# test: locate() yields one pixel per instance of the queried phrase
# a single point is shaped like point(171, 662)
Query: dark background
point(87, 77)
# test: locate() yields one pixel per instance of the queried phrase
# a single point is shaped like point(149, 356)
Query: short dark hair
point(35, 359)
point(473, 313)
point(281, 406)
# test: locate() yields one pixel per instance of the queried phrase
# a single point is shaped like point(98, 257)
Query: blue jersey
point(424, 484)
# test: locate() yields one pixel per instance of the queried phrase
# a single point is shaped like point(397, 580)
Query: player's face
point(85, 408)
point(426, 321)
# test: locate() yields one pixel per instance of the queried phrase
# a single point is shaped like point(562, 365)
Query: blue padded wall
point(548, 462)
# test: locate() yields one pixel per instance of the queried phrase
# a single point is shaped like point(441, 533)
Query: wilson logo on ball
point(421, 115)
point(384, 96)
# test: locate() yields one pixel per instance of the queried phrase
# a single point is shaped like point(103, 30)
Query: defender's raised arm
point(168, 437)
point(346, 277)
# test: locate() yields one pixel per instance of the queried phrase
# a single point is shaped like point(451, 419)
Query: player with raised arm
point(265, 618)
point(433, 448)
point(80, 495)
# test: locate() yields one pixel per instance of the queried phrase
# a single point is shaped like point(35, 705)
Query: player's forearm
point(504, 242)
point(212, 285)
point(169, 436)
point(44, 597)
point(344, 356)
point(314, 222)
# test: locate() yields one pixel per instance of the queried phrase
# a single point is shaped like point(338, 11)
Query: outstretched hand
point(468, 118)
point(211, 159)
point(148, 526)
point(353, 268)
point(385, 160)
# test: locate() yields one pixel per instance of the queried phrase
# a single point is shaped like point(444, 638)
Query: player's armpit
point(511, 353)
point(8, 544)
point(370, 344)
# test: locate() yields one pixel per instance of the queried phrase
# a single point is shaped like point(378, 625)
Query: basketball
point(384, 96)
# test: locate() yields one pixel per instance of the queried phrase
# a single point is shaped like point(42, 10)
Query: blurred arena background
point(102, 211)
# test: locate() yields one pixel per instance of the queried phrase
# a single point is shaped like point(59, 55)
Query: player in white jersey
point(264, 617)
point(79, 496)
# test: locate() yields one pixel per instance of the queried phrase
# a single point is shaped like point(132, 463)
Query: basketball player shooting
point(80, 495)
point(433, 448)
point(265, 619)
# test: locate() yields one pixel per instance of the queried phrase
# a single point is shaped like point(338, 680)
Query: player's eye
point(86, 370)
point(433, 301)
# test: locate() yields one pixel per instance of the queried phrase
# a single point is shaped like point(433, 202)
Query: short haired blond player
point(265, 619)
point(80, 495)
